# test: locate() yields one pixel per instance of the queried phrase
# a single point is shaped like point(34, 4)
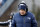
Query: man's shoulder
point(16, 14)
point(30, 13)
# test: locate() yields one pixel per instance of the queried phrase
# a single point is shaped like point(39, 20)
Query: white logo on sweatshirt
point(28, 18)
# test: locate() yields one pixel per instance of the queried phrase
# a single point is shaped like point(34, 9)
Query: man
point(23, 18)
point(10, 20)
point(0, 3)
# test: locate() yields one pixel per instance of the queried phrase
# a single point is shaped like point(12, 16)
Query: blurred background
point(10, 7)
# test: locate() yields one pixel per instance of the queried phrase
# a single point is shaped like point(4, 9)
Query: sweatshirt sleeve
point(34, 22)
point(13, 22)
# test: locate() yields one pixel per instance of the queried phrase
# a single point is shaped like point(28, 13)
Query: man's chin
point(22, 14)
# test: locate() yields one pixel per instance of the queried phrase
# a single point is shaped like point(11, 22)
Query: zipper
point(24, 20)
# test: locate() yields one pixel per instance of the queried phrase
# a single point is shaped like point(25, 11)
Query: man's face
point(22, 12)
point(0, 3)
